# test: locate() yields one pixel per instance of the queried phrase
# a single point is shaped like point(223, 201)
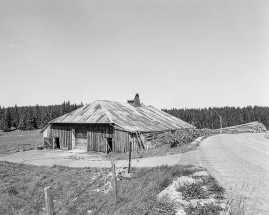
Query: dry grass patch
point(84, 190)
point(9, 140)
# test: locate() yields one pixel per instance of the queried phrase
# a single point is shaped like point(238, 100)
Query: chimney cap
point(134, 100)
point(132, 96)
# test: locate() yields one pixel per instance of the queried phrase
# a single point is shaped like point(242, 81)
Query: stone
point(201, 174)
point(127, 175)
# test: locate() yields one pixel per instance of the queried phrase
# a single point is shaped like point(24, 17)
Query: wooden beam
point(114, 180)
point(74, 139)
point(130, 156)
point(49, 200)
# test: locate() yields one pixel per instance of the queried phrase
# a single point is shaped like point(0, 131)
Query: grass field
point(84, 190)
point(9, 140)
point(158, 151)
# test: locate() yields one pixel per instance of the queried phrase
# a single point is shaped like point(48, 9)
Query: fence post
point(17, 146)
point(114, 180)
point(49, 200)
point(130, 156)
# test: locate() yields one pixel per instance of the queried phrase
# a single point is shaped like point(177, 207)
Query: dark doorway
point(56, 143)
point(109, 145)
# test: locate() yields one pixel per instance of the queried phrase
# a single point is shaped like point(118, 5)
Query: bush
point(206, 209)
point(193, 191)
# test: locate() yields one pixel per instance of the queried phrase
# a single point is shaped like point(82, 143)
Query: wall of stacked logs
point(185, 136)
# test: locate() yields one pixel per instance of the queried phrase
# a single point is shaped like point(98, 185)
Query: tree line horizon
point(32, 117)
point(36, 117)
point(210, 117)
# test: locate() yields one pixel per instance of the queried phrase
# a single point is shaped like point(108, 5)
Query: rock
point(185, 180)
point(170, 192)
point(39, 147)
point(127, 175)
point(198, 168)
point(201, 174)
point(180, 210)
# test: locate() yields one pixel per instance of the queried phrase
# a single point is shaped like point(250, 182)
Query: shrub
point(206, 209)
point(192, 191)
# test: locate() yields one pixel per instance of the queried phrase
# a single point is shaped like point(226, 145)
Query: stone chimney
point(134, 100)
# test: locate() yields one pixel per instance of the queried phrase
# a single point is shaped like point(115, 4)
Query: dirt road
point(240, 162)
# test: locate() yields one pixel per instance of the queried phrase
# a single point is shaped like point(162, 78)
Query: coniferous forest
point(210, 117)
point(32, 117)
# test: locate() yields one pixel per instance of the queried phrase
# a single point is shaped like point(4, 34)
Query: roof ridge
point(105, 111)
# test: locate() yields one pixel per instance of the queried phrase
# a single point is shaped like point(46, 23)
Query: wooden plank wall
point(96, 135)
point(63, 131)
point(122, 139)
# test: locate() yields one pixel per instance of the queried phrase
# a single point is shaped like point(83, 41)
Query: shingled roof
point(124, 115)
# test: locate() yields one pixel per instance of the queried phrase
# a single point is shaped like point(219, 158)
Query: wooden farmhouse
point(106, 126)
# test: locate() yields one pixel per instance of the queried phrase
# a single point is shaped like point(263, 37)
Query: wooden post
point(53, 143)
point(17, 146)
point(73, 138)
point(49, 200)
point(220, 120)
point(114, 180)
point(130, 156)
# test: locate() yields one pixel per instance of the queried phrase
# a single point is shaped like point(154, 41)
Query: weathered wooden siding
point(46, 132)
point(122, 140)
point(97, 135)
point(63, 131)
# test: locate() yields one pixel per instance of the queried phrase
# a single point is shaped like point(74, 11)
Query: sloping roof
point(128, 117)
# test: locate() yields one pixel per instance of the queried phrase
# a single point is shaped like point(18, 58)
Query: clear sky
point(175, 54)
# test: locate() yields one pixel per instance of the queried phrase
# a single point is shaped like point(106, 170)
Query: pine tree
point(37, 116)
point(45, 118)
point(7, 120)
point(22, 122)
point(1, 122)
point(30, 120)
point(63, 110)
point(68, 107)
point(16, 117)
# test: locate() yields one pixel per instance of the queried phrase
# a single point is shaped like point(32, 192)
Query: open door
point(56, 143)
point(109, 145)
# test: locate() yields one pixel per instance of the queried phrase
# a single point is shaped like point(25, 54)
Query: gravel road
point(240, 162)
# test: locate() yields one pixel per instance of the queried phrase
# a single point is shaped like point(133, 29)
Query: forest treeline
point(32, 117)
point(210, 117)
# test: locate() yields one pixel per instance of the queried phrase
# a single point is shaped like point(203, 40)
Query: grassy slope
point(74, 190)
point(9, 140)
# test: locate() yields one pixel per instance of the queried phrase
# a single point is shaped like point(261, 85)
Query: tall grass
point(82, 190)
point(9, 140)
point(242, 200)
